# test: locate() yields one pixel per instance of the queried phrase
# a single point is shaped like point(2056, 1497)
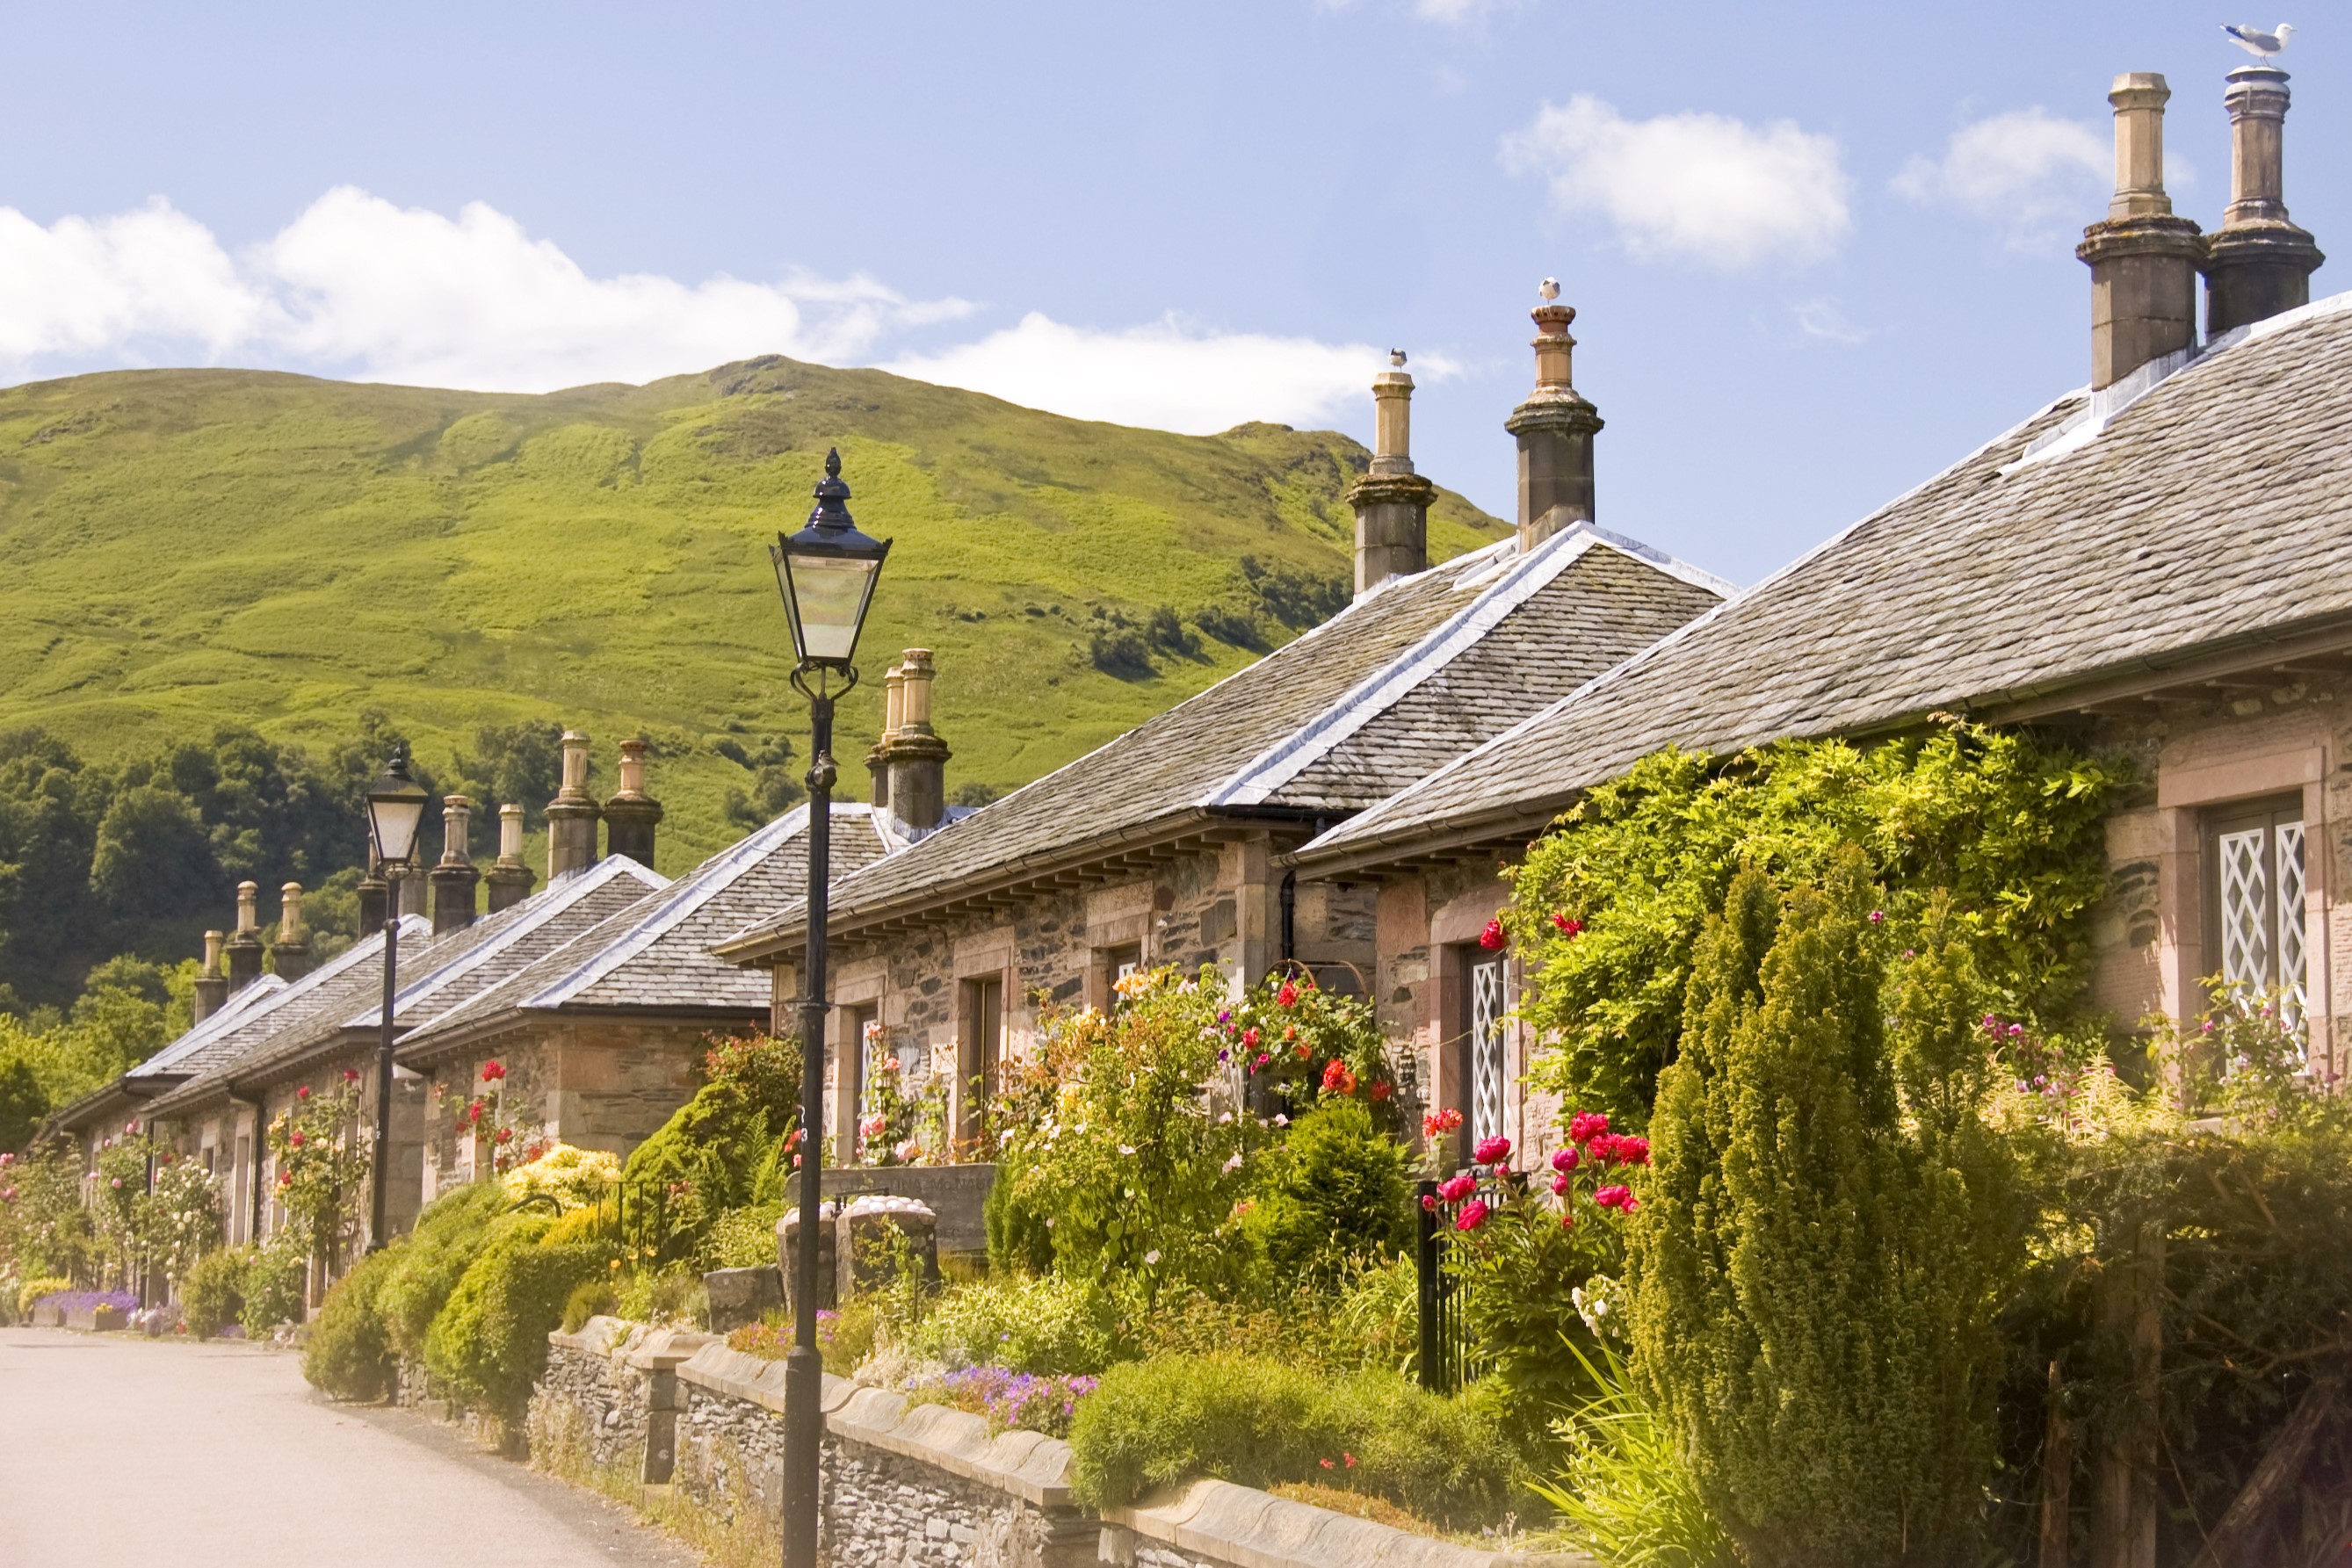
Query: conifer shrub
point(1829, 1233)
point(349, 1354)
point(1335, 1191)
point(718, 1149)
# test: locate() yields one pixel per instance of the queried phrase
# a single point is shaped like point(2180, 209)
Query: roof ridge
point(1518, 581)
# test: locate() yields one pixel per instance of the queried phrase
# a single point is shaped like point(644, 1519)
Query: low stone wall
point(926, 1485)
point(957, 1195)
point(608, 1402)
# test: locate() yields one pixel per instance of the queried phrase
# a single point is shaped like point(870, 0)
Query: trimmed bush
point(488, 1344)
point(274, 1289)
point(589, 1299)
point(212, 1295)
point(349, 1354)
point(450, 1232)
point(1335, 1191)
point(1256, 1422)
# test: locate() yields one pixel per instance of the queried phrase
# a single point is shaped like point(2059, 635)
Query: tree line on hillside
point(1129, 650)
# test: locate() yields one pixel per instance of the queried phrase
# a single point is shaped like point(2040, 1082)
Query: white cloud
point(1459, 12)
point(1162, 375)
point(2026, 171)
point(1821, 318)
point(357, 285)
point(1702, 187)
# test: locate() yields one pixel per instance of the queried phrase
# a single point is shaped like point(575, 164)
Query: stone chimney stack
point(632, 815)
point(1392, 501)
point(212, 986)
point(2257, 262)
point(2143, 258)
point(291, 955)
point(915, 759)
point(510, 879)
point(454, 879)
point(375, 895)
point(572, 815)
point(894, 714)
point(244, 947)
point(1555, 427)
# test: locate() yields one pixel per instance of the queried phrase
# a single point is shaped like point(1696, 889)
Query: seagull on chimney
point(1396, 358)
point(1549, 288)
point(2255, 41)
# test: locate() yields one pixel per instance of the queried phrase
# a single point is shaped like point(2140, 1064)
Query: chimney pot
point(1555, 427)
point(454, 880)
point(244, 945)
point(374, 902)
point(2258, 263)
point(1392, 501)
point(572, 815)
point(290, 957)
point(510, 879)
point(212, 986)
point(913, 758)
point(632, 815)
point(2143, 258)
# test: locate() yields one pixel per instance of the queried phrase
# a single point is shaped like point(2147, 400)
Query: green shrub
point(488, 1344)
point(450, 1232)
point(743, 1237)
point(720, 1150)
point(672, 1298)
point(274, 1289)
point(1622, 1492)
point(1019, 1239)
point(212, 1295)
point(1829, 1236)
point(1379, 1314)
point(589, 1299)
point(1043, 1324)
point(1334, 1191)
point(349, 1354)
point(1257, 1422)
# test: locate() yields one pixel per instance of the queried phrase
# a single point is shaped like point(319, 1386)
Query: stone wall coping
point(666, 1350)
point(1252, 1528)
point(599, 1336)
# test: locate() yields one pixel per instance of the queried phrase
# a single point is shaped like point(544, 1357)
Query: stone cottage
point(1166, 845)
point(2159, 562)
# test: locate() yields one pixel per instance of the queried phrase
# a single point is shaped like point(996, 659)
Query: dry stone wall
point(924, 1486)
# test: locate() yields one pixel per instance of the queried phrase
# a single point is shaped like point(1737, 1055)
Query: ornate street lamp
point(826, 574)
point(396, 808)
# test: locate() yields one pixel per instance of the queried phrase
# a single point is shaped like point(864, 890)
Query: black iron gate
point(1446, 1363)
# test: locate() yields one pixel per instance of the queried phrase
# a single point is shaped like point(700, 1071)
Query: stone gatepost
point(877, 1235)
point(788, 1252)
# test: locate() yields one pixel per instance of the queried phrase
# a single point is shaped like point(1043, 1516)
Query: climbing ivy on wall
point(1607, 907)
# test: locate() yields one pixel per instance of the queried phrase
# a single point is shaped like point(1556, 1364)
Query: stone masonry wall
point(926, 1486)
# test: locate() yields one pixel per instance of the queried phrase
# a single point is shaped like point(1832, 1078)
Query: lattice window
point(2255, 898)
point(2246, 908)
point(1488, 1005)
point(2293, 971)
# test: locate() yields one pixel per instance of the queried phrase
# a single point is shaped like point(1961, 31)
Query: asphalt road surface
point(121, 1451)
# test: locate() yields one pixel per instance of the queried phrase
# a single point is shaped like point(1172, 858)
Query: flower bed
point(1012, 1401)
point(94, 1311)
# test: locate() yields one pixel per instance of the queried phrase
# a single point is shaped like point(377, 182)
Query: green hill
point(182, 551)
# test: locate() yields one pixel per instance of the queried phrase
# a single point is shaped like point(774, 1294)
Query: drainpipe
point(1289, 915)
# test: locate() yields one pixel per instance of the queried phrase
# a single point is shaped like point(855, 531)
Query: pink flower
point(1621, 1197)
point(1586, 1125)
point(1565, 1160)
point(1428, 1200)
point(303, 1092)
point(1454, 1190)
point(1489, 1150)
point(1474, 1214)
point(1559, 1186)
point(1632, 1151)
point(1493, 938)
point(1878, 917)
point(1567, 926)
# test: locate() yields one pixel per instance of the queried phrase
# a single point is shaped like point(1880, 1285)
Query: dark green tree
point(1829, 1234)
point(517, 764)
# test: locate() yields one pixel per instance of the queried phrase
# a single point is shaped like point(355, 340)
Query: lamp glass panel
point(827, 598)
point(394, 819)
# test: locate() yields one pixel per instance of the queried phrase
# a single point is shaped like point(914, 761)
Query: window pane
point(2291, 967)
point(2245, 907)
point(1487, 1005)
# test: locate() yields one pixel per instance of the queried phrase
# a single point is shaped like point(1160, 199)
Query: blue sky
point(1817, 254)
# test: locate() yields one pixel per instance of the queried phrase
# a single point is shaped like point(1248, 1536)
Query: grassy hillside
point(184, 549)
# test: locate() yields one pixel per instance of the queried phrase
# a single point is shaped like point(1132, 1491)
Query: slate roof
point(1333, 721)
point(653, 954)
point(2202, 510)
point(432, 973)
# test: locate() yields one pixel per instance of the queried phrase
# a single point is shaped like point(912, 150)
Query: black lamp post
point(826, 573)
point(395, 805)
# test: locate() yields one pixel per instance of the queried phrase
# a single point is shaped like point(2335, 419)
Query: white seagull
point(1549, 288)
point(2255, 41)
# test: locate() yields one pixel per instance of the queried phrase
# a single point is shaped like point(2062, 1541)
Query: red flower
point(1620, 1198)
point(1380, 1091)
point(1490, 1150)
point(1565, 1160)
point(1439, 1123)
point(1560, 1185)
point(1325, 1463)
point(1474, 1214)
point(1586, 1125)
point(1632, 1151)
point(303, 1092)
point(1565, 926)
point(1348, 1458)
point(1454, 1190)
point(350, 1075)
point(1287, 996)
point(284, 1178)
point(505, 1134)
point(492, 1072)
point(1493, 938)
point(1249, 1036)
point(1290, 1031)
point(295, 1141)
point(1428, 1200)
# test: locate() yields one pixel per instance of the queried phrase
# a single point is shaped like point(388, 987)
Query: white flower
point(1151, 1258)
point(1280, 1120)
point(1232, 1164)
point(1127, 1148)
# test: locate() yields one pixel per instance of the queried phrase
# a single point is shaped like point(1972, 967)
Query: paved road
point(118, 1452)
